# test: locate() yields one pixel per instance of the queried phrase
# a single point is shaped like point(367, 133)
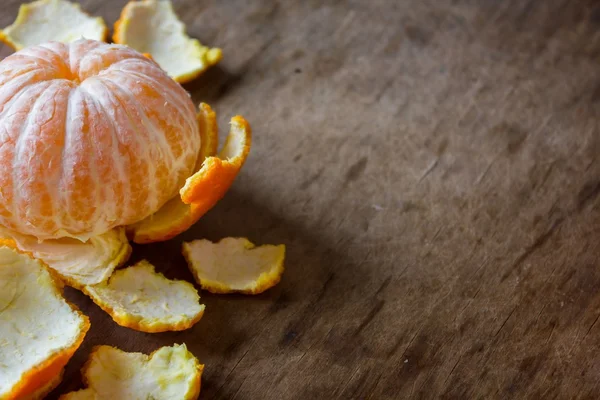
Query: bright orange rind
point(168, 373)
point(206, 187)
point(151, 26)
point(52, 20)
point(39, 329)
point(41, 393)
point(79, 263)
point(139, 298)
point(234, 265)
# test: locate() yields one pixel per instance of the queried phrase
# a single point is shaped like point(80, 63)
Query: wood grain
point(432, 167)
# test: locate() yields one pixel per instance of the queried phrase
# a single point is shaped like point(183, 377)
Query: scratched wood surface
point(432, 167)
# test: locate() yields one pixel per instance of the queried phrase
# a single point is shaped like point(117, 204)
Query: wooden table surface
point(432, 167)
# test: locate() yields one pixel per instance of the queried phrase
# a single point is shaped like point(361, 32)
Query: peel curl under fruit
point(78, 263)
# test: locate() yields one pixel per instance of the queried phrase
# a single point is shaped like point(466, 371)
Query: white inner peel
point(169, 373)
point(140, 293)
point(76, 262)
point(53, 20)
point(153, 27)
point(35, 321)
point(233, 262)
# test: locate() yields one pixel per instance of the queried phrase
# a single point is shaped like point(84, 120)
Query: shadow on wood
point(232, 323)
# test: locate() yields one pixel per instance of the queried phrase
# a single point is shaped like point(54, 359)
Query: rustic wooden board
point(432, 167)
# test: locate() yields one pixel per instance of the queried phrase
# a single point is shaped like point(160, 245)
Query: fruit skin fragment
point(234, 265)
point(168, 373)
point(151, 26)
point(78, 263)
point(52, 20)
point(218, 173)
point(206, 187)
point(41, 393)
point(36, 322)
point(139, 298)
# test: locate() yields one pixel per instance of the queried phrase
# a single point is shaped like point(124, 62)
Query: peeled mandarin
point(92, 136)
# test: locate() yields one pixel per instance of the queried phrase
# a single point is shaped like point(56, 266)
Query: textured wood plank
point(432, 167)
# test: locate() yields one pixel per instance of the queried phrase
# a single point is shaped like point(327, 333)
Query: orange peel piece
point(206, 187)
point(139, 298)
point(234, 265)
point(39, 329)
point(209, 133)
point(41, 393)
point(151, 26)
point(79, 263)
point(52, 20)
point(168, 373)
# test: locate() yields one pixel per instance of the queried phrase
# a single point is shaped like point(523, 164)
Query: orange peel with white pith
point(206, 187)
point(234, 265)
point(78, 263)
point(151, 26)
point(39, 330)
point(52, 20)
point(139, 298)
point(168, 373)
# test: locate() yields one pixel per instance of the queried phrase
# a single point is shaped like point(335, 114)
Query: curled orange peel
point(52, 20)
point(234, 265)
point(39, 330)
point(218, 173)
point(151, 26)
point(78, 263)
point(168, 373)
point(206, 187)
point(139, 298)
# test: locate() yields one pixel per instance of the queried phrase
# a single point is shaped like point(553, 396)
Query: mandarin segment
point(75, 262)
point(168, 373)
point(139, 298)
point(151, 26)
point(234, 265)
point(39, 330)
point(52, 20)
point(206, 187)
point(94, 136)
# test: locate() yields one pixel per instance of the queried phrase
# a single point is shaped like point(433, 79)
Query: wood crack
point(505, 321)
point(539, 242)
point(453, 368)
point(370, 316)
point(591, 326)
